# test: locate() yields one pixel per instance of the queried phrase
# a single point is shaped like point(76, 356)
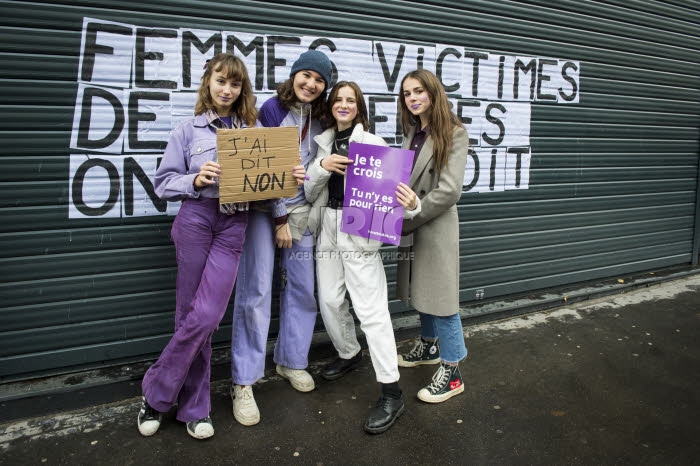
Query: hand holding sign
point(406, 197)
point(336, 163)
point(208, 173)
point(299, 173)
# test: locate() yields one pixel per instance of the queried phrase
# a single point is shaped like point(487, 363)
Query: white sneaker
point(244, 408)
point(148, 419)
point(299, 378)
point(201, 429)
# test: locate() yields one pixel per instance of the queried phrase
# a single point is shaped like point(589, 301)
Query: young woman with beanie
point(282, 223)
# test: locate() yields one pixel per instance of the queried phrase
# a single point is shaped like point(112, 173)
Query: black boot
point(388, 409)
point(340, 367)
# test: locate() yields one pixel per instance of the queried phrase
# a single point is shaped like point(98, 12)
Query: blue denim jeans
point(449, 331)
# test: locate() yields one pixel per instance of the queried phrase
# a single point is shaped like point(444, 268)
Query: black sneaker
point(424, 352)
point(201, 429)
point(447, 382)
point(384, 414)
point(148, 419)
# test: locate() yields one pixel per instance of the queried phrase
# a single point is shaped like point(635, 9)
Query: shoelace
point(384, 402)
point(246, 394)
point(441, 377)
point(417, 350)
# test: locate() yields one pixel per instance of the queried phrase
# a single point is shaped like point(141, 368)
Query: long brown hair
point(328, 120)
point(441, 120)
point(288, 98)
point(233, 68)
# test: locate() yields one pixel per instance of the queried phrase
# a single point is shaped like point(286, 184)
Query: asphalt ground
point(607, 381)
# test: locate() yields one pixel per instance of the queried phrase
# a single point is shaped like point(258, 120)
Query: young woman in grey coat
point(428, 274)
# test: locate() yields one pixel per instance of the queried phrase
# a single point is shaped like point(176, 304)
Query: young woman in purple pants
point(208, 243)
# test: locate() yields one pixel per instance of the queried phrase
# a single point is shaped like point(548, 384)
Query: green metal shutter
point(612, 189)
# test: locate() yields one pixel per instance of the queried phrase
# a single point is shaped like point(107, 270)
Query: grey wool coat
point(430, 280)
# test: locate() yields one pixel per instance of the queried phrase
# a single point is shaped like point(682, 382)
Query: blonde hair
point(441, 120)
point(233, 68)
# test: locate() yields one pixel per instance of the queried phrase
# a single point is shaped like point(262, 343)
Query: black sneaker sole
point(379, 430)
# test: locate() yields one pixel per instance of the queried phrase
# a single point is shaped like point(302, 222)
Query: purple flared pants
point(208, 246)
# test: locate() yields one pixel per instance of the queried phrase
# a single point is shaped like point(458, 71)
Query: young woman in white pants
point(349, 263)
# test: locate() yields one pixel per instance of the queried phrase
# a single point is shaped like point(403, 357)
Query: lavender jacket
point(190, 145)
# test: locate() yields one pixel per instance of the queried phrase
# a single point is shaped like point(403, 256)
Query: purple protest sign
point(370, 207)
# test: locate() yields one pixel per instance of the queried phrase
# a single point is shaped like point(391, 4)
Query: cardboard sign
point(370, 208)
point(256, 163)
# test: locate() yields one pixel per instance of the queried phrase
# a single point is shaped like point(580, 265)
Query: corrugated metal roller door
point(612, 179)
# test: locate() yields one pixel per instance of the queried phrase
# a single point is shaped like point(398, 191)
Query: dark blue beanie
point(315, 61)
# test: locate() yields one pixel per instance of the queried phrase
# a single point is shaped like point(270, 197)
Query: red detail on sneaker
point(455, 384)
